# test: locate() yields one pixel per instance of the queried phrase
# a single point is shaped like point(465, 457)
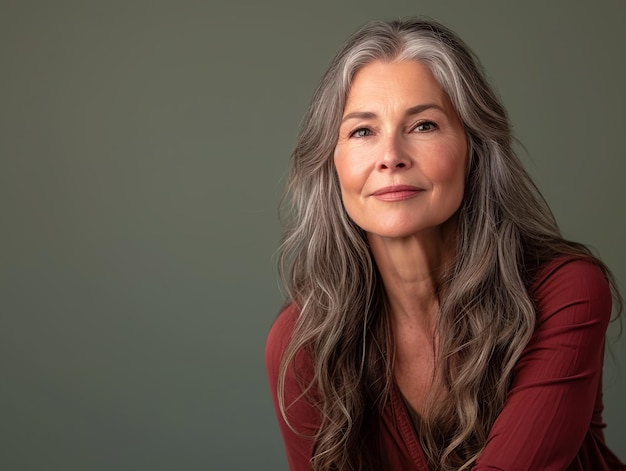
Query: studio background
point(143, 149)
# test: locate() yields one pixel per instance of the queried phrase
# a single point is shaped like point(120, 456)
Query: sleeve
point(555, 383)
point(301, 414)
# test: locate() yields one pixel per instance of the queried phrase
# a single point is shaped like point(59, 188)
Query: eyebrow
point(410, 112)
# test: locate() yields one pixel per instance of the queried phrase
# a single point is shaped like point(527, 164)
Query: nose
point(394, 156)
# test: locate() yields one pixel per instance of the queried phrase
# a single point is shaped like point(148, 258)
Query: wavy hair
point(486, 318)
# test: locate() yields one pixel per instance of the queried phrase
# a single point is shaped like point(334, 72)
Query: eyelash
point(432, 124)
point(354, 133)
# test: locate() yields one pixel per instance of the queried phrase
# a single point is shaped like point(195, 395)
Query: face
point(401, 154)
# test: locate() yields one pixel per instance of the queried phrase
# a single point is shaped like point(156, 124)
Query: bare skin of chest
point(414, 366)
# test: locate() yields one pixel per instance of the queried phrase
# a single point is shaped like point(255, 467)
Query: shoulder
point(279, 337)
point(571, 282)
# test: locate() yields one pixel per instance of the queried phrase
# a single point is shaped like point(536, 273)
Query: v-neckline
point(407, 428)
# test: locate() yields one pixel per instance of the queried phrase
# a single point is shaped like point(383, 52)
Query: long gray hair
point(486, 318)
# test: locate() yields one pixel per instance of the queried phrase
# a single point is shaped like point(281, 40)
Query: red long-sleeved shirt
point(552, 418)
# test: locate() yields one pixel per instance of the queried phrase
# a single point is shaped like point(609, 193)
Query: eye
point(425, 126)
point(361, 132)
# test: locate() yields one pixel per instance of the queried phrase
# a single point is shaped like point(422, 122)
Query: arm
point(301, 415)
point(555, 383)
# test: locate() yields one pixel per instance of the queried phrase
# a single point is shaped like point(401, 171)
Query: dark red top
point(552, 418)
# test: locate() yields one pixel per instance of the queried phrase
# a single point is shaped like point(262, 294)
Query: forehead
point(408, 80)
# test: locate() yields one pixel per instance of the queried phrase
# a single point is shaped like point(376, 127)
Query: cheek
point(450, 172)
point(450, 166)
point(447, 175)
point(350, 185)
point(350, 174)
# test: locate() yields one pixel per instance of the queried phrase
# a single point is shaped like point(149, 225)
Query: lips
point(397, 192)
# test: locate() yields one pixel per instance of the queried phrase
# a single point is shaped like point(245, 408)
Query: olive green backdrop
point(143, 149)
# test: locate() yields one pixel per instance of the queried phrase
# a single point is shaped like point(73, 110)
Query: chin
point(397, 232)
point(438, 229)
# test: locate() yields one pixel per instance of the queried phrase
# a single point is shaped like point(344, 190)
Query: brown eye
point(426, 126)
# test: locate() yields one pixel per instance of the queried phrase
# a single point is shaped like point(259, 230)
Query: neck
point(410, 268)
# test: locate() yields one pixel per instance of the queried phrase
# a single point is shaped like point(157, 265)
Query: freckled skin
point(400, 128)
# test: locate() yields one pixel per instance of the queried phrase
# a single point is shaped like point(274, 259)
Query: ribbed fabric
point(552, 419)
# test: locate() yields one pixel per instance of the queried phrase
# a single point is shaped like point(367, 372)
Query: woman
point(436, 317)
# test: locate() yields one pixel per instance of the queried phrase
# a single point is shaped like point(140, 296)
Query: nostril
point(401, 165)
